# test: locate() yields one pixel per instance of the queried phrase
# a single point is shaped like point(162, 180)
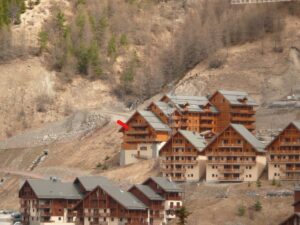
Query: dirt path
point(22, 173)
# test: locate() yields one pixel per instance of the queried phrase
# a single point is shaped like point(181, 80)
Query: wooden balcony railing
point(284, 161)
point(135, 132)
point(231, 153)
point(230, 145)
point(231, 162)
point(138, 124)
point(167, 162)
point(284, 152)
point(243, 111)
point(179, 154)
point(44, 206)
point(243, 119)
point(292, 144)
point(173, 170)
point(139, 140)
point(45, 213)
point(290, 170)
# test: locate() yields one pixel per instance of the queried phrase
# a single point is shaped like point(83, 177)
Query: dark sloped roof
point(49, 189)
point(295, 215)
point(147, 191)
point(166, 109)
point(154, 121)
point(126, 199)
point(194, 138)
point(250, 138)
point(90, 182)
point(166, 184)
point(235, 97)
point(191, 103)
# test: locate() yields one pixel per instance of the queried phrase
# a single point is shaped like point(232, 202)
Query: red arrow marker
point(124, 125)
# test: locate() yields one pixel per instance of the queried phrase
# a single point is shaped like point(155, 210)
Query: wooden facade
point(43, 210)
point(295, 218)
point(140, 131)
point(179, 157)
point(234, 107)
point(156, 207)
point(198, 118)
point(284, 154)
point(100, 208)
point(231, 156)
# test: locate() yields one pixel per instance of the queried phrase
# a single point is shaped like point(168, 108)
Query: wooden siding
point(229, 152)
point(141, 132)
point(228, 113)
point(178, 153)
point(284, 151)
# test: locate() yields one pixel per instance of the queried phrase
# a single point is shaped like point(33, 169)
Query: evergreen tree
point(182, 215)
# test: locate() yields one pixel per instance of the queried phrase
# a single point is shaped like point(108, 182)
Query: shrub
point(99, 165)
point(273, 182)
point(241, 210)
point(105, 167)
point(42, 102)
point(124, 40)
point(257, 206)
point(215, 63)
point(43, 40)
point(106, 158)
point(258, 183)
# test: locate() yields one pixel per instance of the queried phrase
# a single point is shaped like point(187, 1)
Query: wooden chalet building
point(144, 138)
point(194, 113)
point(182, 158)
point(152, 200)
point(234, 155)
point(110, 205)
point(284, 154)
point(295, 218)
point(47, 202)
point(97, 201)
point(172, 194)
point(234, 107)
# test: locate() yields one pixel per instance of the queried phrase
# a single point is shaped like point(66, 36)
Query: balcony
point(45, 213)
point(243, 111)
point(242, 119)
point(231, 153)
point(44, 206)
point(209, 118)
point(290, 177)
point(138, 124)
point(139, 140)
point(290, 144)
point(285, 152)
point(136, 132)
point(189, 162)
point(230, 145)
point(173, 170)
point(231, 162)
point(179, 154)
point(290, 170)
point(295, 161)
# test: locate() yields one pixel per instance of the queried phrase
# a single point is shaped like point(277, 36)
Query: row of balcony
point(173, 170)
point(231, 162)
point(284, 152)
point(234, 179)
point(231, 153)
point(231, 170)
point(189, 162)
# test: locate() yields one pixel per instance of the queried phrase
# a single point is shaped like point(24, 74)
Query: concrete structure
point(144, 138)
point(284, 154)
point(234, 107)
point(182, 158)
point(234, 155)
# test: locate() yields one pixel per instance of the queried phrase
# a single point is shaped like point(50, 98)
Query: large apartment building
point(194, 113)
point(234, 155)
point(234, 107)
point(295, 218)
point(182, 158)
point(284, 154)
point(172, 194)
point(48, 201)
point(144, 138)
point(98, 201)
